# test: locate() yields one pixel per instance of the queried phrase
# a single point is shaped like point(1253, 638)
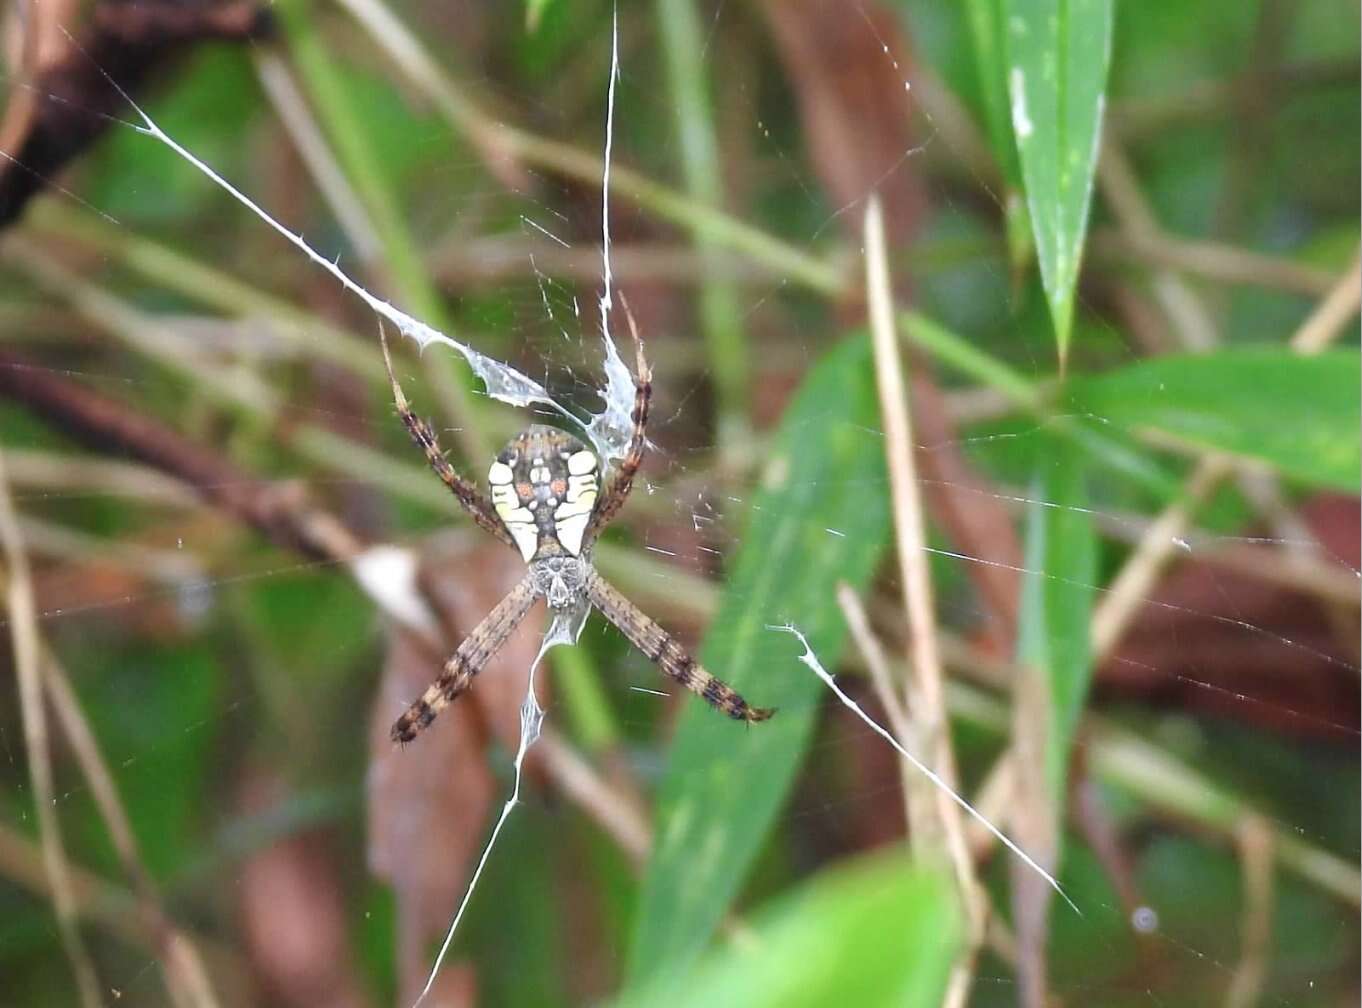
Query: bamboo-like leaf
point(820, 516)
point(1057, 57)
point(1299, 414)
point(879, 932)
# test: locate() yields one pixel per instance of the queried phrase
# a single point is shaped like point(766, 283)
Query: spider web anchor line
point(611, 429)
point(608, 430)
point(810, 659)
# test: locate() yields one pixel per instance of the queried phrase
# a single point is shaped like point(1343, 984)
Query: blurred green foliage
point(1240, 122)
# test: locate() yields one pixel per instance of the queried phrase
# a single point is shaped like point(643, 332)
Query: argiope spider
point(545, 503)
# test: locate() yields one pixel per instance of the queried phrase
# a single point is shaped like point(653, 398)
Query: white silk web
point(1299, 845)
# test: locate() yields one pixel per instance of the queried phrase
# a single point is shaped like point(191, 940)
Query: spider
point(545, 502)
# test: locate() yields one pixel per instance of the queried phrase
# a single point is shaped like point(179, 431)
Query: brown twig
point(69, 100)
point(98, 901)
point(609, 807)
point(1299, 571)
point(57, 473)
point(106, 425)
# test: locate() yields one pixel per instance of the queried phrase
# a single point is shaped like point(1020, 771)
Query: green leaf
point(880, 932)
point(820, 516)
point(1057, 588)
point(1057, 57)
point(1298, 414)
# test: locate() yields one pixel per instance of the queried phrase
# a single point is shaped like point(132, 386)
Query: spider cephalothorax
point(546, 501)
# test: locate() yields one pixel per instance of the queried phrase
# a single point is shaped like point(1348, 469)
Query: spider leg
point(467, 661)
point(477, 506)
point(661, 647)
point(623, 480)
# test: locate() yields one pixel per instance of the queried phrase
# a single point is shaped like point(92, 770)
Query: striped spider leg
point(477, 650)
point(661, 648)
point(545, 502)
point(421, 433)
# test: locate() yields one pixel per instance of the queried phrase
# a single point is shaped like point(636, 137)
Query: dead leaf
point(292, 909)
point(430, 802)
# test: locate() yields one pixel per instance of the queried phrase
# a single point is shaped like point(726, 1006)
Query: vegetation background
point(1107, 286)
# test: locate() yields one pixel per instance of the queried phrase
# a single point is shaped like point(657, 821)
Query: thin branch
point(460, 261)
point(1168, 785)
point(872, 653)
point(173, 567)
point(962, 972)
point(289, 103)
point(98, 901)
point(60, 475)
point(107, 425)
point(883, 679)
point(1299, 571)
point(909, 535)
point(288, 328)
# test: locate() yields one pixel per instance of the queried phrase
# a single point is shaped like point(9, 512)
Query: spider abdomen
point(544, 487)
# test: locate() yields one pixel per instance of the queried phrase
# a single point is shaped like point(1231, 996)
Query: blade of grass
point(821, 516)
point(195, 278)
point(990, 62)
point(400, 253)
point(1057, 54)
point(501, 140)
point(720, 317)
point(186, 978)
point(1057, 594)
point(22, 615)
